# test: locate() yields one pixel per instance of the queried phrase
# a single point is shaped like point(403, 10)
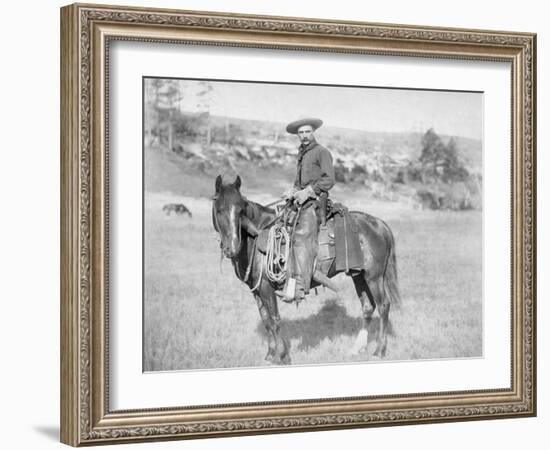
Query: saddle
point(339, 245)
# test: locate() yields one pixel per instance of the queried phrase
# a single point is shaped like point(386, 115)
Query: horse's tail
point(391, 285)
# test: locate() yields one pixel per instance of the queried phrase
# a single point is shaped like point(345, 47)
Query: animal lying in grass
point(177, 208)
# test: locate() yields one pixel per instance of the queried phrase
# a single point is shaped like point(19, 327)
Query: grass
point(197, 315)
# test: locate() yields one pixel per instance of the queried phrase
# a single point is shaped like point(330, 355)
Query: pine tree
point(441, 161)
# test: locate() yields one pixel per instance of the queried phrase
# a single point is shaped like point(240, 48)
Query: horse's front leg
point(267, 321)
point(282, 352)
point(278, 351)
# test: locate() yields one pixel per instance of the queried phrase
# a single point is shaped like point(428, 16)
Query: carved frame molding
point(86, 31)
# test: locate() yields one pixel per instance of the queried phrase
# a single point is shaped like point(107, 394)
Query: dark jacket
point(315, 168)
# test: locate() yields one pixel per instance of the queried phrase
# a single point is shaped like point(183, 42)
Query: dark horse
point(238, 221)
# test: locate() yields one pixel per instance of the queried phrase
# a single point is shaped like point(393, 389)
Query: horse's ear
point(218, 184)
point(237, 183)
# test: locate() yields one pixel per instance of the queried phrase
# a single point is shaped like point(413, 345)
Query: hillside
point(387, 164)
point(344, 141)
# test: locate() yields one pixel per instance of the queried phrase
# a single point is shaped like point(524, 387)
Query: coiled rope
point(277, 253)
point(276, 258)
point(275, 261)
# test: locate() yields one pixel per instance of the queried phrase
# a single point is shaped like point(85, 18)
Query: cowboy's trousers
point(305, 245)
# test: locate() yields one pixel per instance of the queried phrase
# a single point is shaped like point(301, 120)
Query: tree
point(440, 160)
point(204, 100)
point(453, 169)
point(162, 102)
point(152, 116)
point(432, 151)
point(171, 96)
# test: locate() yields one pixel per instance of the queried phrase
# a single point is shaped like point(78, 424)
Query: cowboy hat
point(292, 127)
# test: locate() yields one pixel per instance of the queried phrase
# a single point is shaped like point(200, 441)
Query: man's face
point(305, 133)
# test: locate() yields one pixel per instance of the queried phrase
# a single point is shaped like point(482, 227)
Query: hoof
point(286, 361)
point(380, 352)
point(282, 361)
point(278, 360)
point(361, 342)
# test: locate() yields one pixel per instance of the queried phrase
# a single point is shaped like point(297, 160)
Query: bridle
point(234, 259)
point(217, 225)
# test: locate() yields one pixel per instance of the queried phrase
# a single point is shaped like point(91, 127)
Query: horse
point(238, 222)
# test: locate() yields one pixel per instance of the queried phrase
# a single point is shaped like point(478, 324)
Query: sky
point(365, 108)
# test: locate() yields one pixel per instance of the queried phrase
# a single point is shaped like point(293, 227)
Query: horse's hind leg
point(367, 309)
point(382, 300)
point(368, 304)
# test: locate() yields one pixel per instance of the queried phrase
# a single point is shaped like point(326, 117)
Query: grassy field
point(197, 315)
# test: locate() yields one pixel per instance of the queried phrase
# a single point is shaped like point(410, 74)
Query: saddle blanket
point(348, 252)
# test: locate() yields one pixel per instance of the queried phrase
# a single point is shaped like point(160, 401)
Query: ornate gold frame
point(86, 31)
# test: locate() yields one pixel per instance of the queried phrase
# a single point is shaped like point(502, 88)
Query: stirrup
point(293, 292)
point(289, 292)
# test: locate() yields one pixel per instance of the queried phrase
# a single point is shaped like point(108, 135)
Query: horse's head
point(229, 216)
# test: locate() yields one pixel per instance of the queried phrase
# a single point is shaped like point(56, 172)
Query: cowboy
point(314, 178)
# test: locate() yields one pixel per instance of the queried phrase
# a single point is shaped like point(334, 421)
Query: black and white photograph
point(298, 224)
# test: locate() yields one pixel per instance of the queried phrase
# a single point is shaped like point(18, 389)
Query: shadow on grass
point(330, 322)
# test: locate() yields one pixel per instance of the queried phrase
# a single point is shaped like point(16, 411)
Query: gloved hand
point(289, 193)
point(302, 196)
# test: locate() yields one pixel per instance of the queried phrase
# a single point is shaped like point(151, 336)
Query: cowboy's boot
point(295, 286)
point(288, 292)
point(293, 290)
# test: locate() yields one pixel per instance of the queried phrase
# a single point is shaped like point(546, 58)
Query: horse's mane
point(258, 213)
